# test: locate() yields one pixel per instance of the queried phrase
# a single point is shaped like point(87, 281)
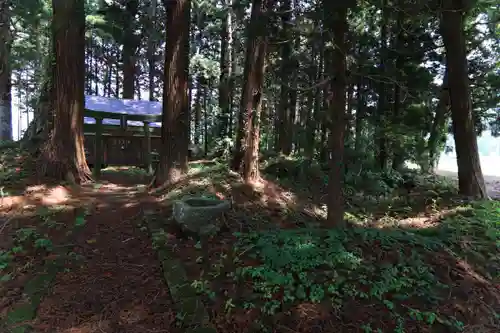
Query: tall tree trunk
point(205, 113)
point(108, 75)
point(5, 72)
point(292, 138)
point(200, 91)
point(308, 122)
point(313, 103)
point(63, 156)
point(325, 118)
point(336, 22)
point(360, 106)
point(89, 55)
point(470, 177)
point(349, 116)
point(130, 43)
point(381, 132)
point(151, 48)
point(232, 82)
point(396, 146)
point(284, 140)
point(438, 134)
point(117, 74)
point(225, 69)
point(246, 152)
point(175, 116)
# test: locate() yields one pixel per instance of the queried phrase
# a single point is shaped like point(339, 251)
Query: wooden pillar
point(147, 156)
point(98, 151)
point(123, 122)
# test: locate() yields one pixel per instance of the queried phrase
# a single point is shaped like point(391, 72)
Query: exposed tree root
point(55, 163)
point(162, 184)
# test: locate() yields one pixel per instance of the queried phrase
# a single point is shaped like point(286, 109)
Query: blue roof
point(121, 106)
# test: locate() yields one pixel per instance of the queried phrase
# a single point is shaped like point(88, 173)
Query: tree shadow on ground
point(108, 278)
point(272, 265)
point(277, 267)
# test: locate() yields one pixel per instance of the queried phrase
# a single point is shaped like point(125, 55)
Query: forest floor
point(108, 258)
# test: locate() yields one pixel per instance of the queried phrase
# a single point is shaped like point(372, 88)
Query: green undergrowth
point(396, 271)
point(368, 194)
point(397, 277)
point(473, 233)
point(12, 167)
point(202, 179)
point(35, 240)
point(367, 183)
point(38, 251)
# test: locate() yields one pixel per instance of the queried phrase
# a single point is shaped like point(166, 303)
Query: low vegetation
point(408, 260)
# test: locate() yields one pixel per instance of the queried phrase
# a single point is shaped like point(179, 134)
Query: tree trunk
point(381, 132)
point(234, 65)
point(336, 22)
point(360, 106)
point(206, 102)
point(349, 116)
point(5, 72)
point(200, 90)
point(284, 141)
point(325, 118)
point(438, 134)
point(225, 70)
point(117, 74)
point(398, 158)
point(63, 157)
point(246, 154)
point(470, 177)
point(175, 116)
point(308, 122)
point(129, 49)
point(151, 48)
point(292, 138)
point(313, 104)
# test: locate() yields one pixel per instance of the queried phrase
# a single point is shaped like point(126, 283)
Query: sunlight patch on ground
point(318, 211)
point(39, 195)
point(56, 196)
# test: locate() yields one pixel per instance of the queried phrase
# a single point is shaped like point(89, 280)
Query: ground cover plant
point(270, 268)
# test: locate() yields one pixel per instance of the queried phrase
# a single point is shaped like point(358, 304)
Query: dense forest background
point(399, 71)
point(297, 211)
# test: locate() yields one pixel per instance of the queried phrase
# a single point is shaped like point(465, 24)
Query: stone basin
point(200, 214)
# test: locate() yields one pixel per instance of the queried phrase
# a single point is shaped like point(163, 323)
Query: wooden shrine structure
point(121, 132)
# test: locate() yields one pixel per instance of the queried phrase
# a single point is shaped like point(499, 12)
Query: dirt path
point(117, 286)
point(492, 182)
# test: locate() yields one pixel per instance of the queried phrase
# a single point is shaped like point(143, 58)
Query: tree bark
point(130, 43)
point(225, 70)
point(246, 154)
point(151, 48)
point(200, 91)
point(381, 131)
point(234, 65)
point(398, 157)
point(470, 177)
point(175, 116)
point(336, 22)
point(284, 112)
point(438, 133)
point(63, 157)
point(360, 105)
point(5, 72)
